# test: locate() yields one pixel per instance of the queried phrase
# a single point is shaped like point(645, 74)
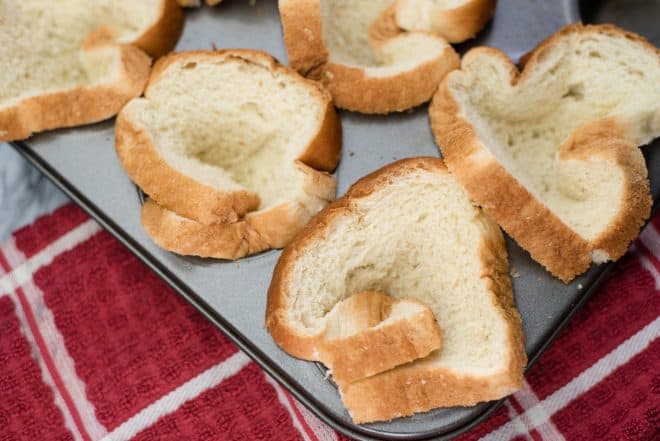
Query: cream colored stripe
point(647, 264)
point(173, 400)
point(45, 373)
point(54, 341)
point(22, 273)
point(545, 427)
point(580, 384)
point(322, 431)
point(651, 240)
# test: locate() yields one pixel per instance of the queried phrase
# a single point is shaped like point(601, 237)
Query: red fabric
point(249, 410)
point(103, 328)
point(27, 410)
point(93, 345)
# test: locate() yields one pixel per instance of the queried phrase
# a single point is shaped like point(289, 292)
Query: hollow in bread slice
point(231, 136)
point(77, 62)
point(454, 20)
point(333, 41)
point(409, 229)
point(551, 152)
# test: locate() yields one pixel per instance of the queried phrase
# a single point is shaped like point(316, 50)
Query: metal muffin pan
point(232, 295)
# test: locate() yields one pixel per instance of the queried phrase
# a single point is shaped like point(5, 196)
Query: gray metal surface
point(233, 294)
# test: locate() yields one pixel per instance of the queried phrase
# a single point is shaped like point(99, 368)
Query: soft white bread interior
point(371, 332)
point(409, 230)
point(330, 40)
point(77, 62)
point(454, 20)
point(226, 137)
point(551, 153)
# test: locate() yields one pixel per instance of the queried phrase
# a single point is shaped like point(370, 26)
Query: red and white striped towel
point(94, 346)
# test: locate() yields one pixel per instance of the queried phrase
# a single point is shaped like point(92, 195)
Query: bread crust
point(185, 195)
point(458, 24)
point(161, 37)
point(549, 240)
point(102, 100)
point(258, 231)
point(378, 346)
point(353, 88)
point(409, 388)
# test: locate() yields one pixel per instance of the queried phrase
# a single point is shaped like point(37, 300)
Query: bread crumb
point(351, 153)
point(580, 286)
point(514, 272)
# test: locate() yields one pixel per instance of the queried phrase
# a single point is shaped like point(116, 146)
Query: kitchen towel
point(94, 346)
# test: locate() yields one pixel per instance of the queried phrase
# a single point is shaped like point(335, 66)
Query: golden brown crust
point(462, 23)
point(189, 197)
point(377, 346)
point(412, 387)
point(271, 227)
point(549, 241)
point(161, 37)
point(354, 88)
point(324, 151)
point(303, 36)
point(187, 237)
point(78, 106)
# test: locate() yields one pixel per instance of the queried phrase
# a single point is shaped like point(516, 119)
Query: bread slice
point(330, 41)
point(371, 332)
point(272, 226)
point(454, 20)
point(551, 153)
point(78, 62)
point(409, 229)
point(225, 137)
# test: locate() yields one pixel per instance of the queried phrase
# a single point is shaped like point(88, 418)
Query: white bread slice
point(371, 332)
point(330, 41)
point(223, 134)
point(77, 62)
point(551, 153)
point(408, 229)
point(454, 20)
